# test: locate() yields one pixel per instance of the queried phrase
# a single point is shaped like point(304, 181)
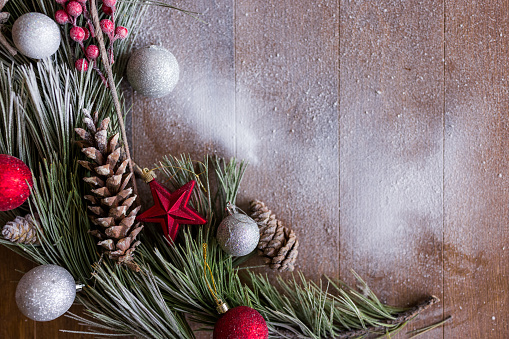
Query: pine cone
point(112, 192)
point(22, 230)
point(277, 243)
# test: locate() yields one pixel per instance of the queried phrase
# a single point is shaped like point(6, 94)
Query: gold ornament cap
point(146, 174)
point(222, 307)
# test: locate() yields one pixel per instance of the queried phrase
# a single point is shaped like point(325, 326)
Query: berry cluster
point(70, 13)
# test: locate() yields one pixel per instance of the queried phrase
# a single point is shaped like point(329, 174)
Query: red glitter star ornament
point(171, 209)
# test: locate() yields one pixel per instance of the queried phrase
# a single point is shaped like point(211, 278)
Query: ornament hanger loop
point(146, 174)
point(231, 208)
point(221, 306)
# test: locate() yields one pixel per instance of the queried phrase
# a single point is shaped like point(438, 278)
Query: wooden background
point(377, 129)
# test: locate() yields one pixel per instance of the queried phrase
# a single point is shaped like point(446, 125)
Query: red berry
point(62, 2)
point(87, 33)
point(77, 34)
point(120, 32)
point(107, 10)
point(107, 26)
point(74, 8)
point(109, 3)
point(83, 2)
point(61, 17)
point(81, 65)
point(92, 52)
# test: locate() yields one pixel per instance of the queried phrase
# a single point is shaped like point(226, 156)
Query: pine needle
point(418, 332)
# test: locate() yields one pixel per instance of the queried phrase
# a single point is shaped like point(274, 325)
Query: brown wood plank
point(287, 119)
point(391, 149)
point(476, 162)
point(14, 323)
point(423, 169)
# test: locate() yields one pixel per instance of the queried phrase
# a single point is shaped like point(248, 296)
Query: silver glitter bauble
point(45, 292)
point(153, 71)
point(36, 35)
point(238, 234)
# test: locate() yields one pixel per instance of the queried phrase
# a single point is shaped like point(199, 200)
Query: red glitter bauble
point(14, 175)
point(241, 322)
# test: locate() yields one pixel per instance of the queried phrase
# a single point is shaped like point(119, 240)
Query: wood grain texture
point(198, 116)
point(287, 103)
point(476, 194)
point(391, 108)
point(382, 157)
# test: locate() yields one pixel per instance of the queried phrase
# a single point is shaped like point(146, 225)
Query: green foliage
point(128, 303)
point(64, 238)
point(229, 175)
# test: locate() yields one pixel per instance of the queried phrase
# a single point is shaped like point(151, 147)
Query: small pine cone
point(22, 230)
point(278, 244)
point(111, 202)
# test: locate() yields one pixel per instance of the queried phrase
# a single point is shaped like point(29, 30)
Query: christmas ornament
point(22, 230)
point(45, 292)
point(111, 203)
point(14, 175)
point(241, 322)
point(237, 234)
point(4, 17)
point(153, 71)
point(36, 35)
point(170, 209)
point(278, 244)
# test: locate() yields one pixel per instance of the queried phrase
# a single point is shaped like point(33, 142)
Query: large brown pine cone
point(111, 203)
point(22, 230)
point(278, 244)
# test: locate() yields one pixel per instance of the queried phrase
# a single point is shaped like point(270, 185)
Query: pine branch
point(229, 175)
point(127, 303)
point(298, 309)
point(64, 238)
point(12, 123)
point(402, 318)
